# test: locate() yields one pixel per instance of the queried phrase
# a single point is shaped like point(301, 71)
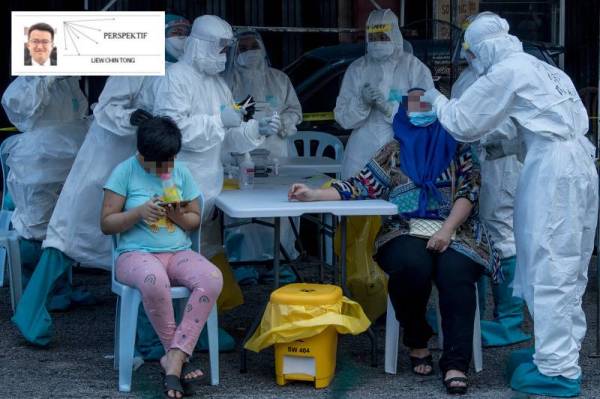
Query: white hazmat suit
point(392, 74)
point(51, 112)
point(499, 178)
point(195, 96)
point(557, 195)
point(250, 74)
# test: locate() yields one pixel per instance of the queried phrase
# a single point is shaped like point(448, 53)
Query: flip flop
point(456, 390)
point(188, 389)
point(172, 382)
point(421, 361)
point(187, 368)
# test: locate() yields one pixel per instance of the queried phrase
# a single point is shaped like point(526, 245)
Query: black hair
point(158, 139)
point(41, 26)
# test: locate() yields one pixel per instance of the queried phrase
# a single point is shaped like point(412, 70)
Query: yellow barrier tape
point(317, 116)
point(379, 28)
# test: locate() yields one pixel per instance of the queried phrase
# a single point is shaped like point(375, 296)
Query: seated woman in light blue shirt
point(154, 245)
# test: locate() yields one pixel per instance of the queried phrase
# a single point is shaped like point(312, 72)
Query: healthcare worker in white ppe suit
point(51, 112)
point(372, 89)
point(199, 101)
point(557, 195)
point(73, 233)
point(249, 73)
point(499, 178)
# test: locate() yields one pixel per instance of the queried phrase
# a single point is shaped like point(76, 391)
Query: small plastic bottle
point(170, 192)
point(276, 166)
point(247, 173)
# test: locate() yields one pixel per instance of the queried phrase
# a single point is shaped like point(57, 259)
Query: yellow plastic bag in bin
point(365, 279)
point(285, 320)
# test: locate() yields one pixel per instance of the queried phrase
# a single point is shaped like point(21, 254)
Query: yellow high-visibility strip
point(8, 129)
point(379, 28)
point(317, 116)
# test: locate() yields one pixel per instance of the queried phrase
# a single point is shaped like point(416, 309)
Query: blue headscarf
point(425, 153)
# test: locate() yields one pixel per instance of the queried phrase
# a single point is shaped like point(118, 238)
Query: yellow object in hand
point(170, 194)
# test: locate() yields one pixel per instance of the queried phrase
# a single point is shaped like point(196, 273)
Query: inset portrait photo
point(39, 46)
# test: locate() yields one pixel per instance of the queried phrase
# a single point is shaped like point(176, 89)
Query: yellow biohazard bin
point(312, 358)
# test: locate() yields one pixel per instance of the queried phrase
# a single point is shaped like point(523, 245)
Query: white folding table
point(269, 198)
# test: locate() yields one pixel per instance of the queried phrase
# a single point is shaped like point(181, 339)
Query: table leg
point(321, 241)
point(297, 235)
point(333, 257)
point(276, 243)
point(253, 327)
point(344, 233)
point(258, 318)
point(370, 332)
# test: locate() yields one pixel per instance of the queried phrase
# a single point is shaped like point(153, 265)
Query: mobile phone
point(173, 204)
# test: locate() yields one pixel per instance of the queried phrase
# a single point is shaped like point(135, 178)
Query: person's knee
point(155, 287)
point(409, 272)
point(209, 280)
point(457, 273)
point(214, 284)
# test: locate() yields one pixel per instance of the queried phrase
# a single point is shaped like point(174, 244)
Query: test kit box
point(87, 43)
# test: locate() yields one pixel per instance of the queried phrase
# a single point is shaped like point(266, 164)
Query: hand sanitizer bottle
point(247, 173)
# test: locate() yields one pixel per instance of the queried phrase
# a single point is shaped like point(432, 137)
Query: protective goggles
point(219, 42)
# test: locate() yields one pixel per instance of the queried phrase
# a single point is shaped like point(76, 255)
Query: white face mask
point(250, 58)
point(380, 50)
point(174, 45)
point(212, 66)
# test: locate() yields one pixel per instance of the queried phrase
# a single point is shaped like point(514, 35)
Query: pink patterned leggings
point(153, 274)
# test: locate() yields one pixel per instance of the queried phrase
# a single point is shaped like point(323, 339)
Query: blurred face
point(40, 45)
point(178, 30)
point(414, 103)
point(248, 43)
point(157, 167)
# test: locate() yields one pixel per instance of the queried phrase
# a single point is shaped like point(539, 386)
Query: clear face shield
point(459, 55)
point(216, 45)
point(249, 50)
point(379, 42)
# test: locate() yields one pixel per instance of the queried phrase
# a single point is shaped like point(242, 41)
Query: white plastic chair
point(392, 334)
point(128, 302)
point(324, 139)
point(5, 215)
point(9, 243)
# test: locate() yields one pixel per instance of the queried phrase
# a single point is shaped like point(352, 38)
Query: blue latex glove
point(231, 117)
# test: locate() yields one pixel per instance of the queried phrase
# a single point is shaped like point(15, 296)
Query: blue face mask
point(422, 118)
